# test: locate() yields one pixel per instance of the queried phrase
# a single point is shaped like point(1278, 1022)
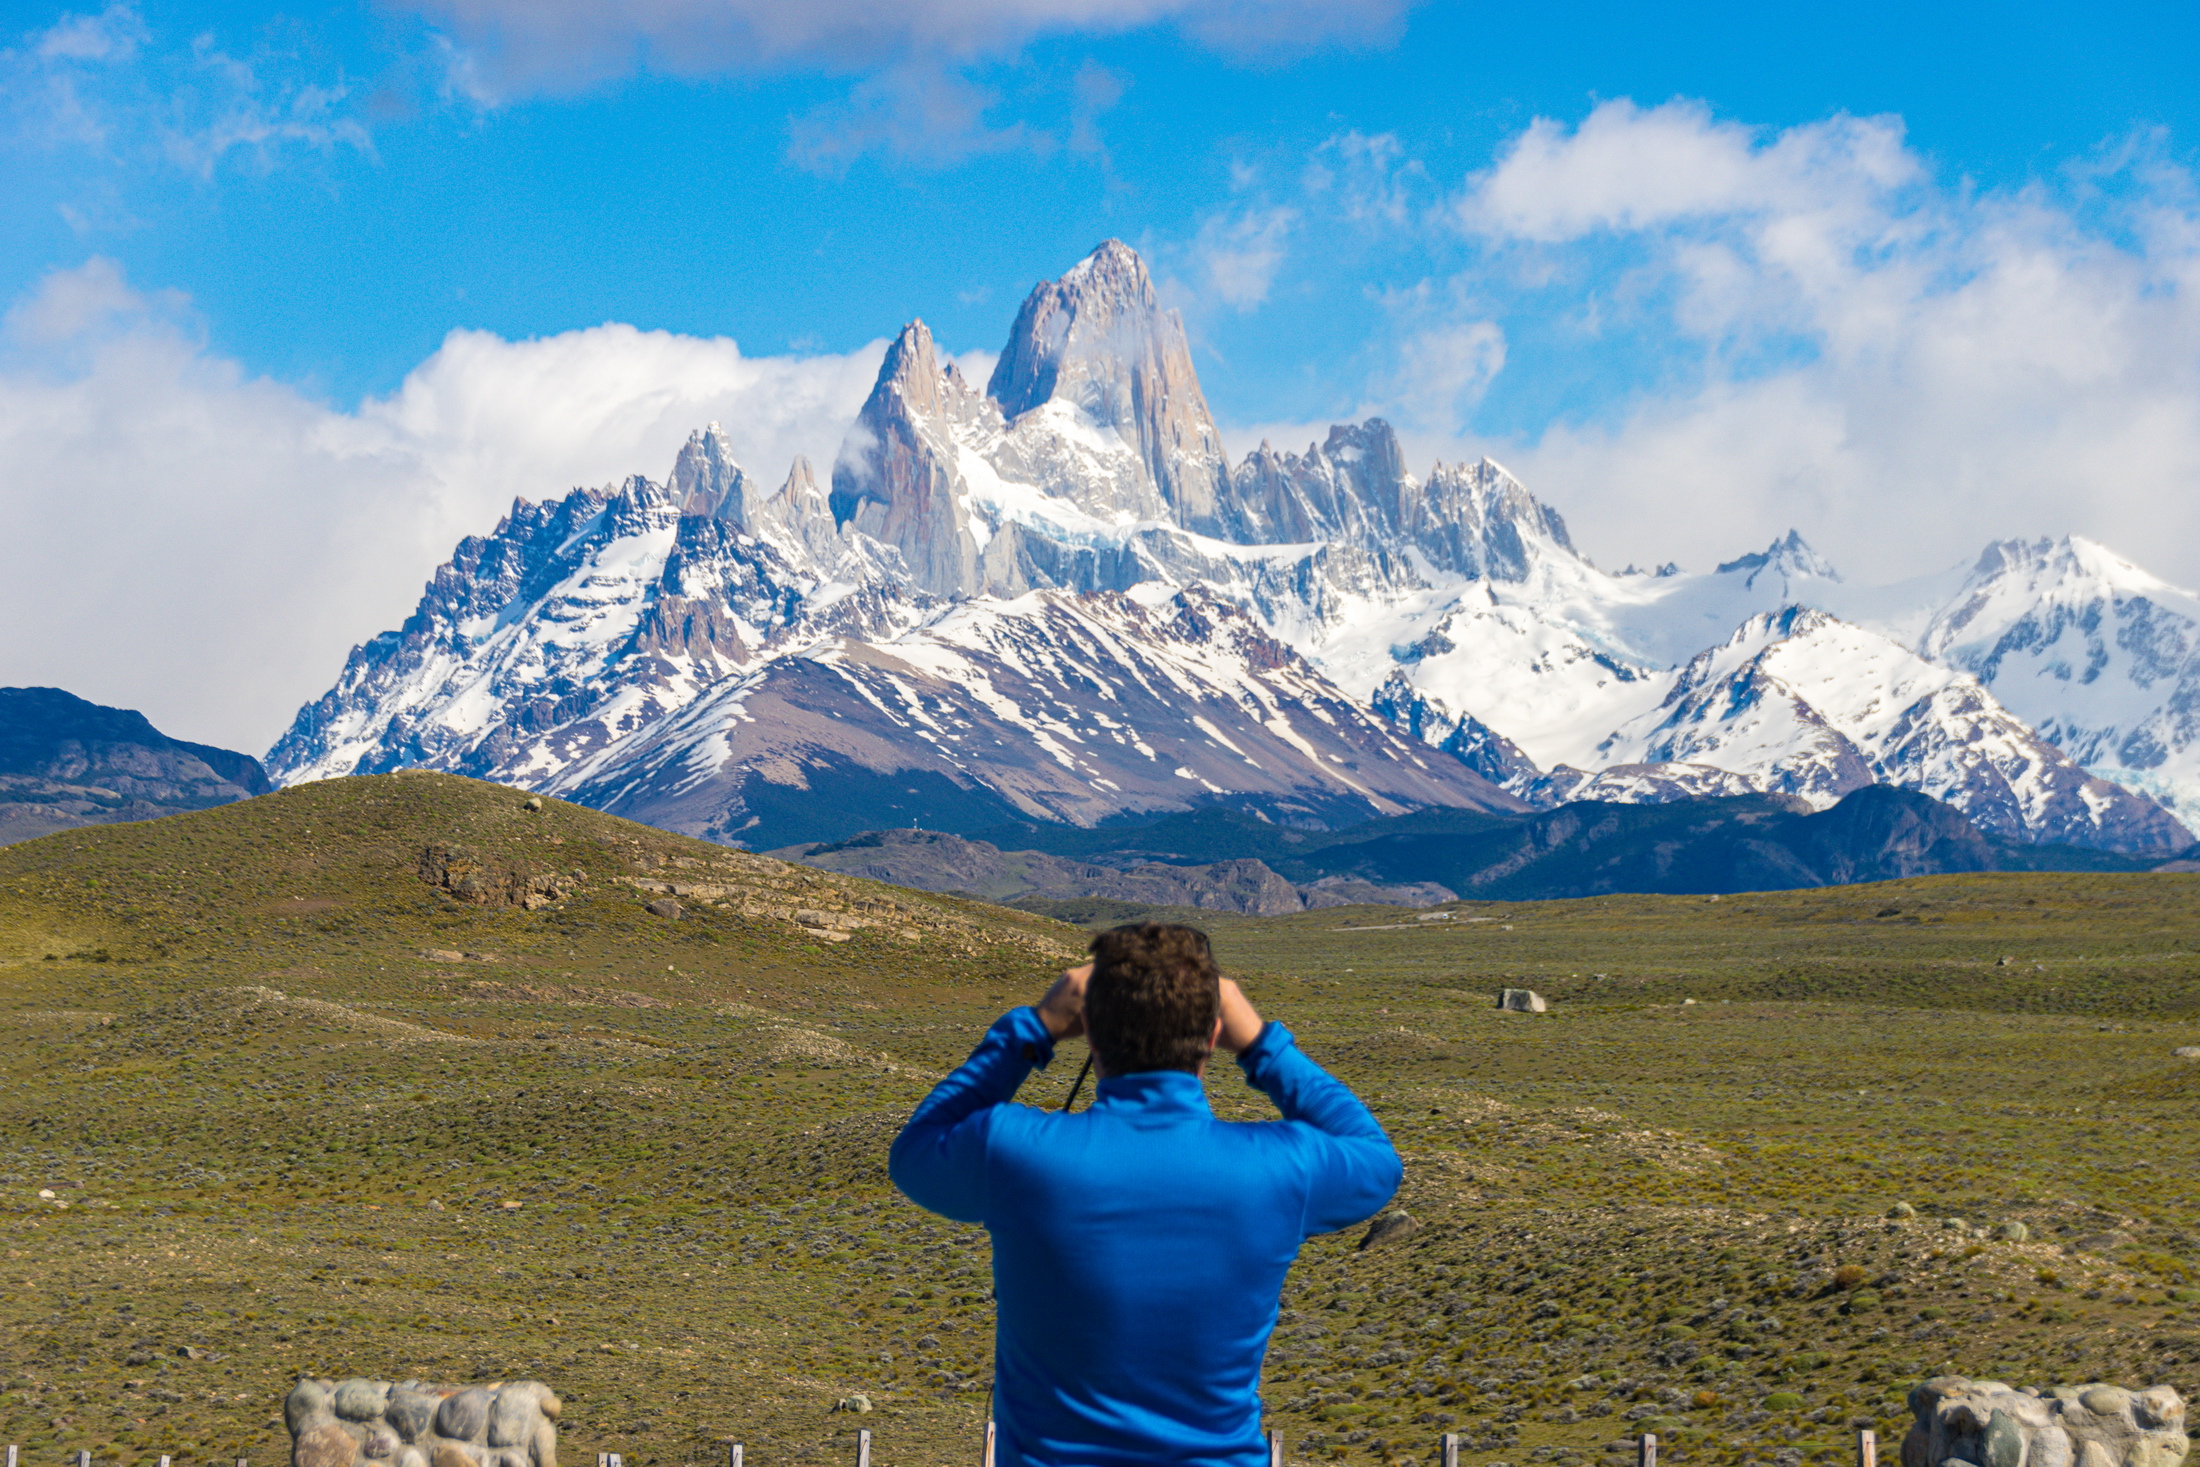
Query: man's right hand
point(1063, 1008)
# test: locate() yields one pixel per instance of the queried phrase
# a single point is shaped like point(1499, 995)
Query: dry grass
point(1630, 1204)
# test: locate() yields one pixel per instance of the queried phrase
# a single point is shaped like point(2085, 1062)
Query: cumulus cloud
point(1630, 168)
point(1823, 335)
point(205, 546)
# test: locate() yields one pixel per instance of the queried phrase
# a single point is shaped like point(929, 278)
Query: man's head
point(1154, 998)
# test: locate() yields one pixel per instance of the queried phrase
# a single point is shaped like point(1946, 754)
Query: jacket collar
point(1155, 1094)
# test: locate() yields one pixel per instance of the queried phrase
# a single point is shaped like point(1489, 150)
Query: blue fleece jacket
point(1139, 1246)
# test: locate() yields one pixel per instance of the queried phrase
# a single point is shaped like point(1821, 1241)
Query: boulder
point(1988, 1424)
point(1522, 1001)
point(666, 908)
point(1388, 1228)
point(342, 1423)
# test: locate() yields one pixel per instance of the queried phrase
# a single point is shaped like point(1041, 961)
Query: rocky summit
point(1055, 598)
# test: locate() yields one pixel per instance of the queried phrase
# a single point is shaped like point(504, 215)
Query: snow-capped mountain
point(2098, 655)
point(1057, 598)
point(719, 661)
point(1052, 706)
point(1800, 702)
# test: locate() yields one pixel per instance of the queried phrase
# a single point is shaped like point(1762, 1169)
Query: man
point(1140, 1246)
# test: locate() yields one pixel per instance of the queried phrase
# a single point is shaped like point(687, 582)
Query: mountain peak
point(706, 480)
point(1099, 340)
point(892, 480)
point(1790, 555)
point(2071, 564)
point(1481, 521)
point(1112, 265)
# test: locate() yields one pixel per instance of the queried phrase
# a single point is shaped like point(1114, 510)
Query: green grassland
point(310, 1114)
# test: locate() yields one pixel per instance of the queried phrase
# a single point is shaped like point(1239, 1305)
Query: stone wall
point(374, 1423)
point(1983, 1423)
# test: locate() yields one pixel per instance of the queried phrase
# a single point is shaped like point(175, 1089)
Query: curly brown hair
point(1153, 998)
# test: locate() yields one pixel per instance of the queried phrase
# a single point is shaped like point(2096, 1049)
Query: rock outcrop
point(1984, 1423)
point(470, 877)
point(375, 1423)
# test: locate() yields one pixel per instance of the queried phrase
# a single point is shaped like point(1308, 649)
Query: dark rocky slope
point(65, 762)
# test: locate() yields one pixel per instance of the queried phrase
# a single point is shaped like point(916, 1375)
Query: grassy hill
point(397, 1076)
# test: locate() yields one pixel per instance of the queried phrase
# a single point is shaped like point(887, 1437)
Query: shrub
point(1847, 1276)
point(1783, 1401)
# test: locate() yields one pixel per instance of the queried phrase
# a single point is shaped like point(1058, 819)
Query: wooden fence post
point(990, 1432)
point(1275, 1448)
point(863, 1447)
point(84, 1459)
point(733, 1454)
point(1451, 1449)
point(1867, 1449)
point(1649, 1454)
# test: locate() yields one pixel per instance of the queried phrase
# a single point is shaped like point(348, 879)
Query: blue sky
point(709, 196)
point(1698, 272)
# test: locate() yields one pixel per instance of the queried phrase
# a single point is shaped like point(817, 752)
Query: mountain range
point(1056, 599)
point(1226, 860)
point(66, 762)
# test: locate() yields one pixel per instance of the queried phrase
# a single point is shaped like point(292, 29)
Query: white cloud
point(1235, 258)
point(104, 85)
point(112, 35)
point(1442, 372)
point(205, 546)
point(552, 45)
point(1826, 337)
point(1366, 180)
point(914, 113)
point(1628, 168)
point(912, 99)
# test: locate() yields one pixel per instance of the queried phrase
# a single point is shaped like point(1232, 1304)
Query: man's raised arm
point(938, 1160)
point(1358, 1169)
